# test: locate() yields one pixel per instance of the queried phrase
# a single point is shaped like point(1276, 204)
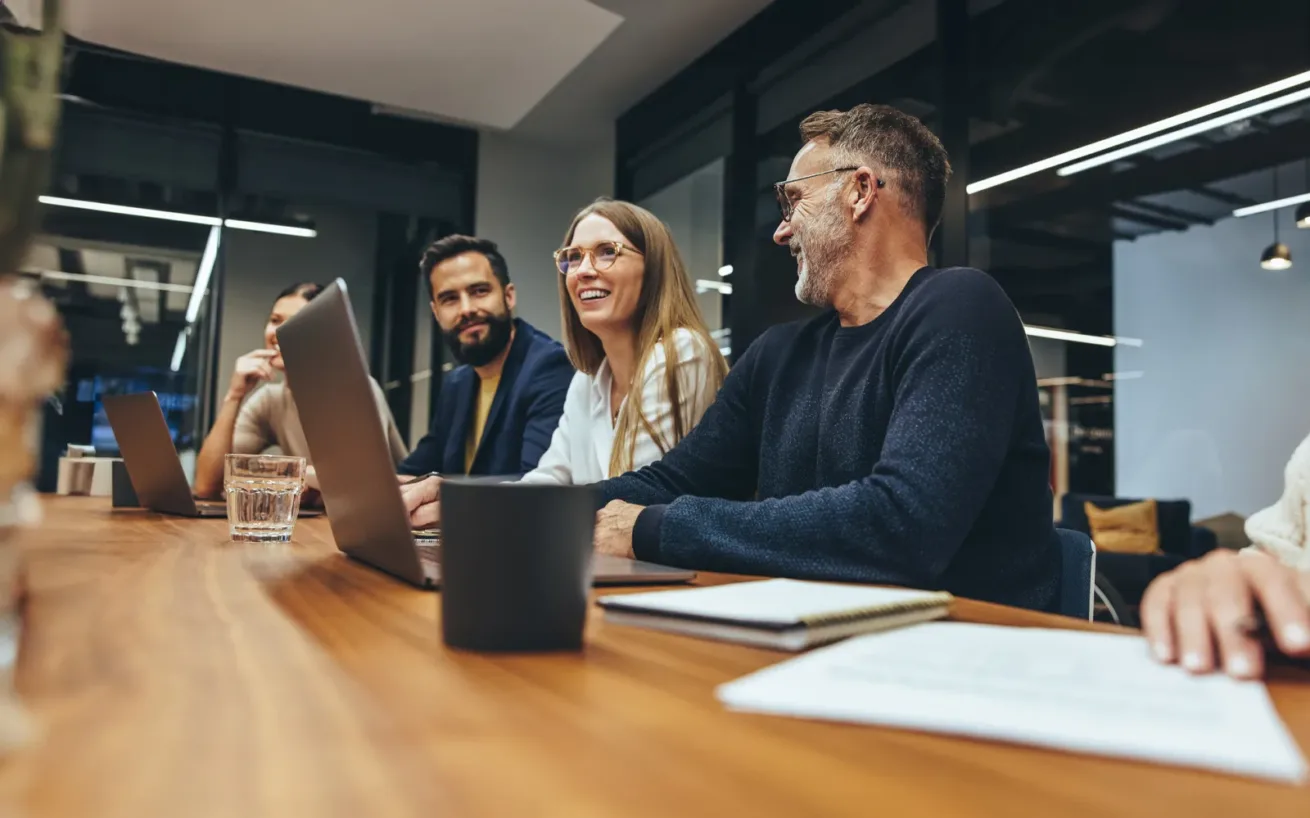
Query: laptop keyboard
point(428, 553)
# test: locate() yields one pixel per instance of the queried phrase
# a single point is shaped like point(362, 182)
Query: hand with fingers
point(422, 501)
point(1210, 613)
point(614, 525)
point(252, 369)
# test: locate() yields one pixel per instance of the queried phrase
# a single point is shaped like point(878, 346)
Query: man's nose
point(782, 235)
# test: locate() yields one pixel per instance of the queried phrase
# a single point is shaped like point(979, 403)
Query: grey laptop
point(151, 460)
point(326, 371)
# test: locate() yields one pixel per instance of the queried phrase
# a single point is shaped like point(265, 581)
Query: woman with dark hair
point(253, 418)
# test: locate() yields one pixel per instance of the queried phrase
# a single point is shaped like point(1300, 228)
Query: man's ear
point(510, 299)
point(865, 193)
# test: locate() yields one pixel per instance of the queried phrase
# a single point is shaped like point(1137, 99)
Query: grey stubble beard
point(824, 244)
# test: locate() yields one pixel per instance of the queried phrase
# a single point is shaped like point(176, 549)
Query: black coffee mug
point(515, 564)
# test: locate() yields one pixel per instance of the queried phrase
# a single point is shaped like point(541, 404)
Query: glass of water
point(263, 496)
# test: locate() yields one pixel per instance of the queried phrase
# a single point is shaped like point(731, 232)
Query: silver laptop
point(151, 459)
point(326, 372)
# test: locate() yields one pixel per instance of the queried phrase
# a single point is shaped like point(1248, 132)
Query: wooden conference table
point(175, 673)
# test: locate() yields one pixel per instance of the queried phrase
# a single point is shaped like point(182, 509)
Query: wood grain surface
point(174, 673)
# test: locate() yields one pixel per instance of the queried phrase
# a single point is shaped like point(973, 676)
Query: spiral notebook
point(784, 614)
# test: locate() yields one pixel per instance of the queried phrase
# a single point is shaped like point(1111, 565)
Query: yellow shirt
point(486, 395)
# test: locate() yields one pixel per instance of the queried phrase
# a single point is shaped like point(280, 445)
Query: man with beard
point(896, 438)
point(497, 411)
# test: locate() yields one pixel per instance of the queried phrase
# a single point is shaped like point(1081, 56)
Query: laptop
point(325, 369)
point(151, 459)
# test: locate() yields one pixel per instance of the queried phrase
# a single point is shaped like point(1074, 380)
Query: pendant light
point(1276, 256)
point(1302, 217)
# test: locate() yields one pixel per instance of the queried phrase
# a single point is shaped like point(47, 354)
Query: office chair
point(1109, 604)
point(1077, 574)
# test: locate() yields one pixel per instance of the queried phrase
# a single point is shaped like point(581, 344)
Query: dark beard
point(481, 353)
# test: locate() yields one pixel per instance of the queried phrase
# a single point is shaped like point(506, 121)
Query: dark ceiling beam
point(1223, 196)
point(1097, 189)
point(766, 38)
point(1033, 237)
point(1171, 212)
point(1158, 222)
point(1030, 61)
point(1091, 112)
point(1064, 281)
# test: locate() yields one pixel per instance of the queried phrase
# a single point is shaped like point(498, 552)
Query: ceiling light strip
point(1079, 337)
point(124, 210)
point(207, 261)
point(113, 281)
point(179, 349)
point(1274, 205)
point(265, 227)
point(704, 285)
point(176, 216)
point(1139, 133)
point(1189, 131)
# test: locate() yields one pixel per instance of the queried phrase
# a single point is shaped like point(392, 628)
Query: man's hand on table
point(614, 524)
point(422, 501)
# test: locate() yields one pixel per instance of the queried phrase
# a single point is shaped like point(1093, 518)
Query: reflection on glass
point(692, 207)
point(126, 287)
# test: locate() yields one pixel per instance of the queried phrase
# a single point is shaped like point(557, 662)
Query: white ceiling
point(486, 62)
point(658, 39)
point(550, 69)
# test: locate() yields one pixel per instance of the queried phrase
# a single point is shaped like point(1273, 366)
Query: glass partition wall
point(692, 207)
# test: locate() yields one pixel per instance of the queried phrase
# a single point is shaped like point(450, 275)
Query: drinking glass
point(263, 496)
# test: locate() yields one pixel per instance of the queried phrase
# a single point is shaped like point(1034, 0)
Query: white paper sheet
point(1088, 692)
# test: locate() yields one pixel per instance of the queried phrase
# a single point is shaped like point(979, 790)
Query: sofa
point(1131, 573)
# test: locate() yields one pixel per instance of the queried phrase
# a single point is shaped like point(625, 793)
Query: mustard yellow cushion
point(1130, 529)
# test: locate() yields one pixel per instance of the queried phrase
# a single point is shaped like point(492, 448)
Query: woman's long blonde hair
point(667, 304)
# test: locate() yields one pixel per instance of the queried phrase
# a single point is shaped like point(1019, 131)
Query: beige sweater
point(1283, 529)
point(269, 418)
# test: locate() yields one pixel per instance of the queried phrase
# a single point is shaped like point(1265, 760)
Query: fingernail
point(1296, 637)
point(1162, 652)
point(1239, 666)
point(1192, 661)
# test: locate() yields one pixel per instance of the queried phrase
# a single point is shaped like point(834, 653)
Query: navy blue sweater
point(906, 451)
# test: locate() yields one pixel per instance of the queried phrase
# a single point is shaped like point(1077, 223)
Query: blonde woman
point(647, 366)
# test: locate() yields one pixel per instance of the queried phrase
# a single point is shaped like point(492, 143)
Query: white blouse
point(1283, 529)
point(580, 449)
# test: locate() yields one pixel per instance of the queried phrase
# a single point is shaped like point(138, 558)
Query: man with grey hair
point(896, 438)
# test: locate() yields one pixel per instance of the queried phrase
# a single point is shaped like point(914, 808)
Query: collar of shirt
point(601, 384)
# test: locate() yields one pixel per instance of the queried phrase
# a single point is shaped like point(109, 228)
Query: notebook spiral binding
point(938, 600)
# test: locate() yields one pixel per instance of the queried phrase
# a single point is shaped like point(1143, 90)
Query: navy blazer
point(523, 417)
